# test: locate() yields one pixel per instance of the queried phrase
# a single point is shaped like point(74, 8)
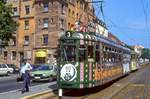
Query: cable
point(146, 16)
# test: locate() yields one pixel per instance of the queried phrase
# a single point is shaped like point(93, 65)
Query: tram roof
point(110, 42)
point(93, 36)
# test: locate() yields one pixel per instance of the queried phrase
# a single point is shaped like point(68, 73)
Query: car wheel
point(8, 73)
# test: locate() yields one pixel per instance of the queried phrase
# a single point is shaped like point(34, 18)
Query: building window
point(39, 22)
point(52, 20)
point(62, 23)
point(45, 39)
point(46, 23)
point(13, 55)
point(27, 8)
point(15, 11)
point(27, 54)
point(26, 40)
point(69, 11)
point(5, 55)
point(77, 16)
point(26, 22)
point(62, 9)
point(14, 41)
point(72, 14)
point(45, 7)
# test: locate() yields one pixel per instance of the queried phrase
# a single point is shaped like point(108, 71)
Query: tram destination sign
point(69, 41)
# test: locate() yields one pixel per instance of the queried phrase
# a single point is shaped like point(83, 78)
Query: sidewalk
point(16, 94)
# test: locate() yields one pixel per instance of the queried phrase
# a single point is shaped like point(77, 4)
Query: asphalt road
point(9, 83)
point(139, 88)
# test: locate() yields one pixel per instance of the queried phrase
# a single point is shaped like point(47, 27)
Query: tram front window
point(68, 53)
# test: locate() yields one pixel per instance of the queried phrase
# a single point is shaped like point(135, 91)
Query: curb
point(41, 95)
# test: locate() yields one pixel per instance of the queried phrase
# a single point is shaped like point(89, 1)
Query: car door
point(4, 68)
point(0, 69)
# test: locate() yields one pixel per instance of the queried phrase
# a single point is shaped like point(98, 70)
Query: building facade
point(41, 23)
point(80, 12)
point(101, 28)
point(50, 17)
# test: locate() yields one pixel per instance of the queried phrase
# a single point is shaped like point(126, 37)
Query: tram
point(134, 61)
point(88, 60)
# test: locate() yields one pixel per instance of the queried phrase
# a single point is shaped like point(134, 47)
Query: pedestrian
point(25, 72)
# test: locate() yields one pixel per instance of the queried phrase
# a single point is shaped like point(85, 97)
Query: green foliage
point(7, 25)
point(145, 53)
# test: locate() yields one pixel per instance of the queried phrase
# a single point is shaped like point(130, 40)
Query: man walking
point(26, 68)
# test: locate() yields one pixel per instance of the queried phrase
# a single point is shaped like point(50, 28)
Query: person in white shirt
point(25, 69)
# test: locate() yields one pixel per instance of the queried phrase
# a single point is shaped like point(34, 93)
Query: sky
point(129, 20)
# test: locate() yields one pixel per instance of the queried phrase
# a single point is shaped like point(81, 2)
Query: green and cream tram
point(134, 61)
point(88, 60)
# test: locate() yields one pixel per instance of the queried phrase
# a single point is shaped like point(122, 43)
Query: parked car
point(44, 72)
point(5, 70)
point(34, 66)
point(16, 69)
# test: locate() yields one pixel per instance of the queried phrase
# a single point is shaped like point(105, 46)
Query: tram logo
point(68, 72)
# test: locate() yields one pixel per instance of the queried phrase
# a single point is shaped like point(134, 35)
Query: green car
point(44, 72)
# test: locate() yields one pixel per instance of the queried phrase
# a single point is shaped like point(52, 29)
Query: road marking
point(7, 77)
point(32, 87)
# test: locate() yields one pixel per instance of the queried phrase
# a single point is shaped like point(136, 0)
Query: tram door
point(83, 66)
point(91, 62)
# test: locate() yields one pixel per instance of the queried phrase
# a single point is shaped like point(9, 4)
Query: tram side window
point(133, 56)
point(82, 53)
point(68, 53)
point(97, 56)
point(90, 51)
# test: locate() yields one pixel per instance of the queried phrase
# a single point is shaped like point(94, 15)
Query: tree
point(7, 25)
point(145, 53)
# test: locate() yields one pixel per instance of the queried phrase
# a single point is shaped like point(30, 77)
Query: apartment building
point(50, 17)
point(41, 23)
point(81, 11)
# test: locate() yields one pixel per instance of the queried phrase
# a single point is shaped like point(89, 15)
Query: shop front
point(40, 56)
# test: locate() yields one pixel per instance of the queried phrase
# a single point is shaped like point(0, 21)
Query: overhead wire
point(146, 16)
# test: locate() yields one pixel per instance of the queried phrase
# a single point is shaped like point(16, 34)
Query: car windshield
point(10, 65)
point(45, 68)
point(34, 66)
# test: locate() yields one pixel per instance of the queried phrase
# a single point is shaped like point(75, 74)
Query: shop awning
point(41, 53)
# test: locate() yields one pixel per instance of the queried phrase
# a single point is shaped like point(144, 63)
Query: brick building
point(41, 23)
point(50, 17)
